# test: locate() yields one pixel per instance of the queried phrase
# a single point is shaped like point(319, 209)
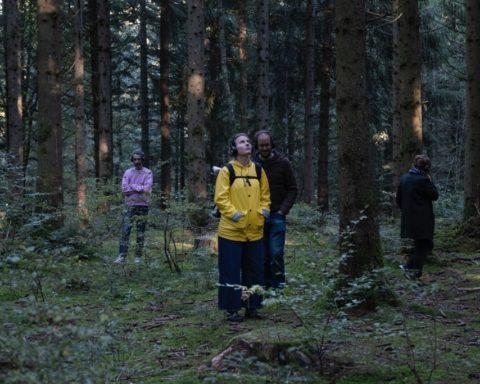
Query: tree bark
point(472, 140)
point(223, 65)
point(165, 150)
point(144, 82)
point(309, 90)
point(326, 72)
point(13, 66)
point(93, 35)
point(80, 131)
point(49, 133)
point(407, 92)
point(196, 166)
point(242, 58)
point(103, 99)
point(263, 58)
point(359, 236)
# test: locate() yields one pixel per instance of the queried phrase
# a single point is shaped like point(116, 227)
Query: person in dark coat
point(283, 191)
point(415, 194)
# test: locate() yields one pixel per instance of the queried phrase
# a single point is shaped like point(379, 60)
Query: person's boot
point(252, 313)
point(119, 260)
point(234, 317)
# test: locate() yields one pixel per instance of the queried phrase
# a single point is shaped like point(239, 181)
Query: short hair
point(137, 152)
point(422, 161)
point(263, 132)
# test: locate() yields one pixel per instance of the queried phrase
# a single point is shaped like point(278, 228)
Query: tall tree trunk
point(263, 58)
point(13, 68)
point(360, 242)
point(165, 150)
point(242, 58)
point(196, 166)
point(104, 155)
point(92, 17)
point(326, 71)
point(223, 65)
point(144, 82)
point(407, 95)
point(80, 131)
point(472, 140)
point(49, 134)
point(309, 90)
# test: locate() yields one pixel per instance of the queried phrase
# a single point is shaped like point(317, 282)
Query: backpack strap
point(231, 173)
point(258, 170)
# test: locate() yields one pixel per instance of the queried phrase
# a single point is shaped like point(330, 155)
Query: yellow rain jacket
point(247, 196)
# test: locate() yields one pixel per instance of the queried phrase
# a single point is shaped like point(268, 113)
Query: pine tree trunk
point(165, 150)
point(49, 133)
point(472, 140)
point(407, 95)
point(80, 131)
point(104, 98)
point(242, 58)
point(144, 82)
point(92, 18)
point(196, 166)
point(263, 58)
point(360, 243)
point(223, 65)
point(13, 67)
point(309, 89)
point(326, 72)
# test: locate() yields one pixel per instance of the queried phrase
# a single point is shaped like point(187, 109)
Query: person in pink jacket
point(136, 188)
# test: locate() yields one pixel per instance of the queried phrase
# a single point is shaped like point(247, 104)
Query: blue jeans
point(133, 214)
point(274, 244)
point(239, 263)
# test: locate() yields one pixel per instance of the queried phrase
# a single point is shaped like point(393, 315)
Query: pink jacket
point(137, 186)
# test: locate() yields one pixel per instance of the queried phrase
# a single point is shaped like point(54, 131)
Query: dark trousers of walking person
point(133, 214)
point(417, 257)
point(274, 245)
point(240, 263)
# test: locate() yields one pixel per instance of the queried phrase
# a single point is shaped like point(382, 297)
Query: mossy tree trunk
point(103, 99)
point(263, 91)
point(308, 113)
point(360, 242)
point(196, 165)
point(144, 115)
point(80, 131)
point(242, 63)
point(472, 140)
point(407, 86)
point(49, 133)
point(13, 66)
point(165, 150)
point(326, 73)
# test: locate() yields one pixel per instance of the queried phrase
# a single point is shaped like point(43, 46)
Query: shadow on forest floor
point(65, 319)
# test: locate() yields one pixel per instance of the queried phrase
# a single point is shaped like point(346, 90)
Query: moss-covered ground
point(68, 319)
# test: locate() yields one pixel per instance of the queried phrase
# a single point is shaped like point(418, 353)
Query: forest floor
point(68, 319)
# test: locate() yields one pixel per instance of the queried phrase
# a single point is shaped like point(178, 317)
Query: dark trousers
point(133, 214)
point(240, 263)
point(417, 257)
point(274, 245)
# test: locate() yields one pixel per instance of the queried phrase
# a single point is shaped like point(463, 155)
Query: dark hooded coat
point(415, 194)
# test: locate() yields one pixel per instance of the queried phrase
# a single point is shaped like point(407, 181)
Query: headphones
point(232, 149)
point(138, 152)
point(263, 132)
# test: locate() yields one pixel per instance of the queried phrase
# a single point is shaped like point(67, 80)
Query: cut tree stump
point(206, 241)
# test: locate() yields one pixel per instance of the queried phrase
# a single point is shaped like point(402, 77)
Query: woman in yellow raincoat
point(242, 196)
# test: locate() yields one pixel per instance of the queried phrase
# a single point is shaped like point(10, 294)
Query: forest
point(349, 92)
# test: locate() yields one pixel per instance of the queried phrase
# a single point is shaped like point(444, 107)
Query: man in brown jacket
point(283, 191)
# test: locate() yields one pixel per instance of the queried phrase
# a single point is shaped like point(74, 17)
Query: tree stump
point(206, 242)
